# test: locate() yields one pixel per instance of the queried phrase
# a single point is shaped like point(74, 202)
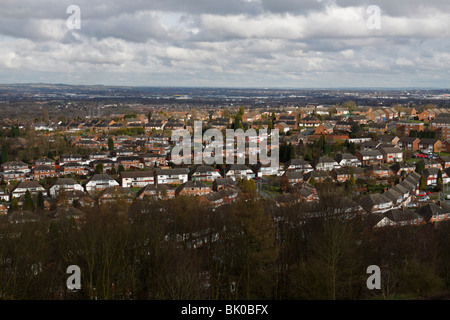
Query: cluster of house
point(290, 118)
point(323, 118)
point(338, 125)
point(161, 183)
point(141, 173)
point(392, 207)
point(377, 159)
point(145, 157)
point(127, 153)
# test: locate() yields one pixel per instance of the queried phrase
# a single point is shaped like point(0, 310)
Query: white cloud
point(205, 42)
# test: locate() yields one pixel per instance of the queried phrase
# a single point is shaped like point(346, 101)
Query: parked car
point(424, 198)
point(412, 205)
point(420, 155)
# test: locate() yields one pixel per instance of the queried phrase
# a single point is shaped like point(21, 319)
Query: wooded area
point(251, 249)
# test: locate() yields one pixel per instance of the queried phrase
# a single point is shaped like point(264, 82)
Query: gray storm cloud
point(308, 43)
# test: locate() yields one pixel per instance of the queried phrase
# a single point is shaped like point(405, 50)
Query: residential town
point(381, 154)
point(110, 192)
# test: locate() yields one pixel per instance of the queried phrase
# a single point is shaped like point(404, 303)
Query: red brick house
point(345, 126)
point(370, 157)
point(309, 121)
point(343, 174)
point(41, 172)
point(392, 154)
point(444, 161)
point(115, 193)
point(129, 162)
point(153, 159)
point(193, 188)
point(408, 143)
point(3, 209)
point(156, 191)
point(45, 162)
point(73, 168)
point(403, 129)
point(378, 172)
point(430, 145)
point(398, 168)
point(445, 146)
point(294, 177)
point(377, 128)
point(433, 213)
point(223, 184)
point(219, 198)
point(325, 129)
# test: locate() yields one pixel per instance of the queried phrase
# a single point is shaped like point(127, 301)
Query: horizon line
point(228, 87)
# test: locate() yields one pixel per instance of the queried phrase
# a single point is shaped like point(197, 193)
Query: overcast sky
point(227, 43)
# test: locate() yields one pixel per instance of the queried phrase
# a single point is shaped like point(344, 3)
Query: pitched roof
point(386, 137)
point(296, 162)
point(408, 186)
point(408, 139)
point(173, 171)
point(43, 167)
point(397, 215)
point(154, 187)
point(70, 156)
point(15, 164)
point(28, 184)
point(445, 158)
point(310, 118)
point(370, 153)
point(369, 201)
point(428, 141)
point(391, 150)
point(393, 194)
point(317, 174)
point(116, 190)
point(431, 171)
point(66, 181)
point(373, 218)
point(346, 156)
point(294, 175)
point(377, 125)
point(326, 159)
point(68, 212)
point(203, 169)
point(22, 216)
point(429, 210)
point(401, 166)
point(100, 177)
point(236, 167)
point(414, 175)
point(137, 174)
point(306, 190)
point(223, 181)
point(401, 189)
point(191, 184)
